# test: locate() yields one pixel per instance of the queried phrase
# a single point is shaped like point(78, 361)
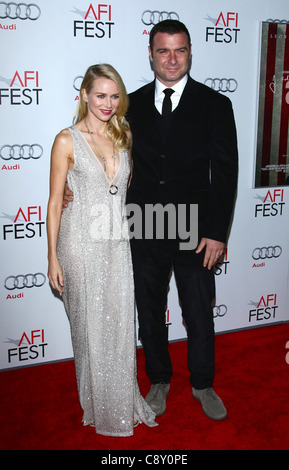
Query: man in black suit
point(186, 156)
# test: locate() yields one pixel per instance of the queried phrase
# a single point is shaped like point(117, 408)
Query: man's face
point(170, 57)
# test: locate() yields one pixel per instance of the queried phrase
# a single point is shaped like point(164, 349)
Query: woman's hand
point(55, 276)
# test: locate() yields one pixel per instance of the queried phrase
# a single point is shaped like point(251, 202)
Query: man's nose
point(173, 57)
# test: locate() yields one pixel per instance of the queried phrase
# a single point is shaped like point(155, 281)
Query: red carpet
point(40, 409)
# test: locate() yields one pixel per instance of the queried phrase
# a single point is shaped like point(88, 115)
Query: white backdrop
point(45, 47)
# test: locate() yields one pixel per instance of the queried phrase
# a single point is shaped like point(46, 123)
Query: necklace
point(113, 189)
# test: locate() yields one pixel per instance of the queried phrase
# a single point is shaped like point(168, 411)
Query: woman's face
point(103, 98)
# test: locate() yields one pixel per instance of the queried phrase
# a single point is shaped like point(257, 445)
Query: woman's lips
point(107, 112)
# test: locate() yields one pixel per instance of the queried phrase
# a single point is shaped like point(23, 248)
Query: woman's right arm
point(61, 161)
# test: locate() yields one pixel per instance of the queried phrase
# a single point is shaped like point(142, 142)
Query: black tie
point(167, 103)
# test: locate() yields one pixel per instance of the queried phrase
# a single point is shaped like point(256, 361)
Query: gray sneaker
point(213, 407)
point(156, 398)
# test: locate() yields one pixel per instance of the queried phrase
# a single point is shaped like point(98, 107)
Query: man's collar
point(178, 87)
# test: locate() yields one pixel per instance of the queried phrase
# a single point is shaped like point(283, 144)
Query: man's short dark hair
point(169, 27)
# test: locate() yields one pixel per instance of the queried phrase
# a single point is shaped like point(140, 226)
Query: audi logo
point(153, 17)
point(18, 152)
point(21, 11)
point(267, 252)
point(222, 84)
point(77, 86)
point(270, 20)
point(220, 310)
point(21, 281)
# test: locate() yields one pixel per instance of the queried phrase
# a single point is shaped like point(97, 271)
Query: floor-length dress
point(94, 252)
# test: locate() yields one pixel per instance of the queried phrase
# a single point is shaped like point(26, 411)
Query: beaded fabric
point(94, 252)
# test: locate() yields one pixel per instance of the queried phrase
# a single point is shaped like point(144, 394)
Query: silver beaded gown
point(94, 252)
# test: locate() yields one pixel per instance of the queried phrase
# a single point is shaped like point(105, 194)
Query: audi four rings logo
point(21, 11)
point(220, 310)
point(270, 20)
point(153, 17)
point(222, 84)
point(18, 152)
point(267, 252)
point(77, 82)
point(21, 281)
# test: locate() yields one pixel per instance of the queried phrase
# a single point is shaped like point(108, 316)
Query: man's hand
point(214, 250)
point(67, 196)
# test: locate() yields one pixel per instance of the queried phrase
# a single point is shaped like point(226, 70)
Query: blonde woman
point(89, 254)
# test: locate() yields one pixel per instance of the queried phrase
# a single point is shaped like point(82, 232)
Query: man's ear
point(150, 54)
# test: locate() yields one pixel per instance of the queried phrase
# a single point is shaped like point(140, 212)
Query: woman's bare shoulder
point(63, 140)
point(63, 137)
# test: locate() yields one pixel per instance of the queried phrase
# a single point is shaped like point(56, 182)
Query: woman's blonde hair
point(117, 126)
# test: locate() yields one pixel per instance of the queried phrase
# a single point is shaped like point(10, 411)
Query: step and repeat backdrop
point(240, 48)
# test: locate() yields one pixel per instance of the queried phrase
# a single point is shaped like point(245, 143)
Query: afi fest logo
point(272, 205)
point(265, 309)
point(23, 89)
point(225, 29)
point(30, 346)
point(96, 22)
point(26, 224)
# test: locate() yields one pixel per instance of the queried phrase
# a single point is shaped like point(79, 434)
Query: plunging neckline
point(96, 159)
